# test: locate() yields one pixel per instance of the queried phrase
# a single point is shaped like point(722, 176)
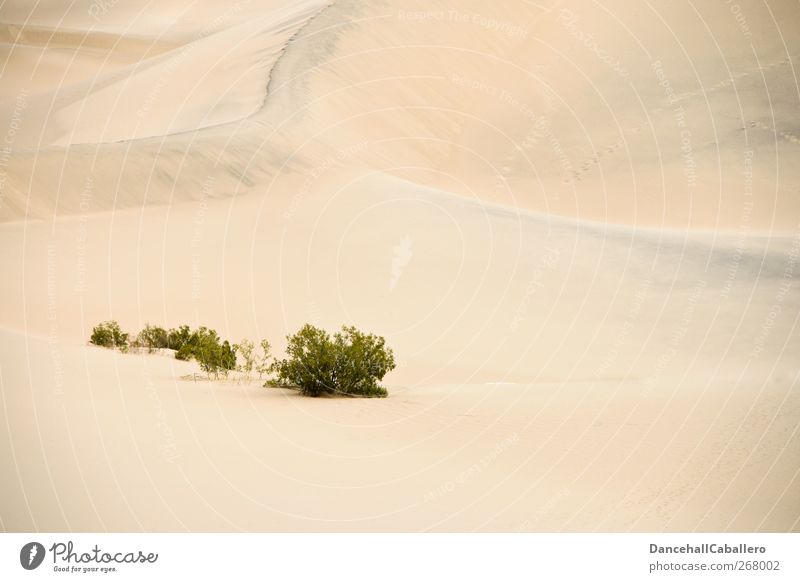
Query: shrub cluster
point(351, 363)
point(109, 335)
point(215, 357)
point(204, 345)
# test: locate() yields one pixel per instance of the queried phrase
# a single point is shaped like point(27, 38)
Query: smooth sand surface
point(102, 441)
point(577, 226)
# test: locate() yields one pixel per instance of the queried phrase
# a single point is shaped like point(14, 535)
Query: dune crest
point(560, 110)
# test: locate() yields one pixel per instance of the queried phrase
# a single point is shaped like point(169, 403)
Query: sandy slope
point(177, 80)
point(463, 291)
point(683, 128)
point(605, 225)
point(103, 441)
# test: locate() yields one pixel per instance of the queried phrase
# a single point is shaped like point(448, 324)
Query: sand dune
point(161, 94)
point(109, 442)
point(532, 116)
point(464, 291)
point(576, 224)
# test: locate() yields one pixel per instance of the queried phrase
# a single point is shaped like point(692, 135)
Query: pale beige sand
point(528, 116)
point(176, 81)
point(594, 312)
point(102, 441)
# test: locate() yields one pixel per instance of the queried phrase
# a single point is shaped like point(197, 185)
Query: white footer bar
point(387, 557)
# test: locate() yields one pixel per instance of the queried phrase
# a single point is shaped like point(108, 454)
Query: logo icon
point(31, 555)
point(403, 251)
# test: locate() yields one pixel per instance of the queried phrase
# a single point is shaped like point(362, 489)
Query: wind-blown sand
point(577, 227)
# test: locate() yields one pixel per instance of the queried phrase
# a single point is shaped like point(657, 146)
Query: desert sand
point(577, 225)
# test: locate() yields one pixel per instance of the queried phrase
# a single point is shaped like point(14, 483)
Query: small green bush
point(351, 363)
point(153, 338)
point(204, 345)
point(109, 335)
point(177, 337)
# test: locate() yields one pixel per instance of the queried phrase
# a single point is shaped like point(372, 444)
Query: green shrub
point(351, 363)
point(204, 345)
point(185, 352)
point(109, 335)
point(153, 338)
point(226, 357)
point(177, 337)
